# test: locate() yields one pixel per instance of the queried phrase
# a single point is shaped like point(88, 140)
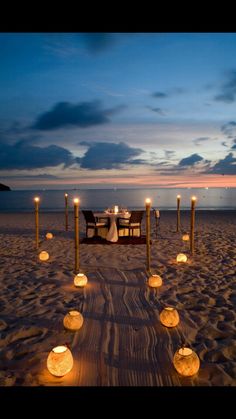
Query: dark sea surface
point(99, 199)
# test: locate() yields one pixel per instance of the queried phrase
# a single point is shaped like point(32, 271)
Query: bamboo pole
point(76, 218)
point(36, 203)
point(148, 233)
point(193, 201)
point(66, 211)
point(178, 213)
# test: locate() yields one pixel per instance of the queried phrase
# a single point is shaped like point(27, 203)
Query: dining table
point(112, 234)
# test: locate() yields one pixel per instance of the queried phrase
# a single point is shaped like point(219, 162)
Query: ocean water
point(99, 199)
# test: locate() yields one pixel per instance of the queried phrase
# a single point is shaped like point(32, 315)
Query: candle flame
point(76, 200)
point(36, 199)
point(178, 196)
point(148, 200)
point(66, 194)
point(194, 198)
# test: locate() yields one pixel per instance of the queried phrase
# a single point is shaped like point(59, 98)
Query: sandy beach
point(122, 342)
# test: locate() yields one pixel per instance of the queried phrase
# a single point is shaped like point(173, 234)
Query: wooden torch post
point(148, 233)
point(76, 217)
point(36, 203)
point(193, 201)
point(178, 213)
point(66, 211)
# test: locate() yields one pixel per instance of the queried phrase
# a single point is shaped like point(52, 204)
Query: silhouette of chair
point(93, 223)
point(133, 223)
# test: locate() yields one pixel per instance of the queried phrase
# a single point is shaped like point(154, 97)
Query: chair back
point(89, 217)
point(136, 217)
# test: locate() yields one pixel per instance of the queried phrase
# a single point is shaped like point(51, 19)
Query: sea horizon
point(52, 200)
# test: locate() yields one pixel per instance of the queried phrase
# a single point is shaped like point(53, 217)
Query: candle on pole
point(193, 201)
point(148, 232)
point(76, 218)
point(178, 213)
point(36, 203)
point(66, 211)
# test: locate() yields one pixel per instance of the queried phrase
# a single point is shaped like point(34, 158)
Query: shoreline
point(70, 209)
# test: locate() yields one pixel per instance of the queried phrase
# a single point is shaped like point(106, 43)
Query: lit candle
point(66, 211)
point(76, 219)
point(178, 213)
point(193, 201)
point(36, 203)
point(148, 232)
point(116, 209)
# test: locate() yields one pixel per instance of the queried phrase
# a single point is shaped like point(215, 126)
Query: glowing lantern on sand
point(73, 320)
point(80, 280)
point(186, 362)
point(185, 237)
point(60, 361)
point(43, 255)
point(169, 317)
point(49, 236)
point(181, 257)
point(154, 281)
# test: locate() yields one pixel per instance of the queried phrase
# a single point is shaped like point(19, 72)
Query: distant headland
point(4, 187)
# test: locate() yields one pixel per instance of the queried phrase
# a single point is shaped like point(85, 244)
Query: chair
point(133, 223)
point(157, 218)
point(92, 223)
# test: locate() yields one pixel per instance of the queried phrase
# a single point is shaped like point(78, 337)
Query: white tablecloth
point(112, 234)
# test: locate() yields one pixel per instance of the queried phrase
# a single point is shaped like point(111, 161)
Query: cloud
point(98, 42)
point(109, 156)
point(226, 166)
point(159, 111)
point(198, 141)
point(67, 115)
point(227, 92)
point(234, 145)
point(191, 160)
point(159, 95)
point(172, 171)
point(24, 156)
point(224, 144)
point(34, 177)
point(169, 154)
point(229, 129)
point(171, 92)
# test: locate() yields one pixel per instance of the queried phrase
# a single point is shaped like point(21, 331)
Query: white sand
point(121, 341)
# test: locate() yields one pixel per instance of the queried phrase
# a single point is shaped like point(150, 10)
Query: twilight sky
point(117, 110)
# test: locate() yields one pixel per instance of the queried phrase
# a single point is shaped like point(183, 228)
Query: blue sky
point(117, 109)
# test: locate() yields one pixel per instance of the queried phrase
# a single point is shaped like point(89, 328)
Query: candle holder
point(192, 224)
point(178, 213)
point(76, 222)
point(36, 203)
point(148, 234)
point(66, 211)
